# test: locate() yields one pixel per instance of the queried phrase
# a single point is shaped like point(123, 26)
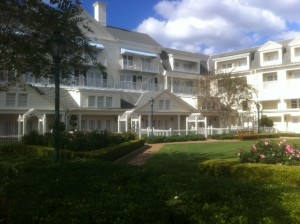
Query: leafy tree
point(266, 122)
point(226, 93)
point(27, 29)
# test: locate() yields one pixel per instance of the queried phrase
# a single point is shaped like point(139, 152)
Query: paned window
point(10, 99)
point(22, 100)
point(109, 102)
point(91, 101)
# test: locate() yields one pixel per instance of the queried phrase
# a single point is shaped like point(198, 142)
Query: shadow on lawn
point(208, 199)
point(168, 189)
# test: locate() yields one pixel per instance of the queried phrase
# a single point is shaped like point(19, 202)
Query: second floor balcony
point(137, 64)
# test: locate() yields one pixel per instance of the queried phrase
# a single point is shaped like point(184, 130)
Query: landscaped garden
point(183, 183)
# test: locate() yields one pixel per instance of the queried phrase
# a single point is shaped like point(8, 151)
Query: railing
point(181, 89)
point(9, 138)
point(142, 67)
point(210, 131)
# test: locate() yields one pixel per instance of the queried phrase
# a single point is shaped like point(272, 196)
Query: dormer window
point(270, 54)
point(234, 63)
point(295, 50)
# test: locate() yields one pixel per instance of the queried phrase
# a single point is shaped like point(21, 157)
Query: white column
point(178, 124)
point(205, 126)
point(140, 126)
point(19, 127)
point(44, 124)
point(186, 126)
point(119, 128)
point(126, 124)
point(24, 125)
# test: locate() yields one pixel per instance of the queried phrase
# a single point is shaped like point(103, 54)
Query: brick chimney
point(100, 12)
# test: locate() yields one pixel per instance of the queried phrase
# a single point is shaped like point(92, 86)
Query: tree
point(266, 122)
point(228, 93)
point(27, 29)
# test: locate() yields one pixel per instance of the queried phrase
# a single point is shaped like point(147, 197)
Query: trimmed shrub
point(289, 175)
point(110, 153)
point(33, 138)
point(223, 136)
point(175, 138)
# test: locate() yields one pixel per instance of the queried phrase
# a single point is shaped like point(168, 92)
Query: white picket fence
point(9, 138)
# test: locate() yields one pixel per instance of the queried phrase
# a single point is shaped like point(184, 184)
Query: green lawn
point(168, 189)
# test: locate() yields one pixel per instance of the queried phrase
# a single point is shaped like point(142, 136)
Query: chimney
point(100, 12)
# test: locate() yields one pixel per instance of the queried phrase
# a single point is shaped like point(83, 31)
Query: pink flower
point(254, 148)
point(289, 149)
point(262, 156)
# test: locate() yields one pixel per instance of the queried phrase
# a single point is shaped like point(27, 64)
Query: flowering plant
point(271, 153)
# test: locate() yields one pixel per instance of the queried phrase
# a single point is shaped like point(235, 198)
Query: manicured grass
point(168, 189)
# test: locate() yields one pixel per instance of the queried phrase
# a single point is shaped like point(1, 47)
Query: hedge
point(109, 153)
point(175, 138)
point(255, 136)
point(289, 175)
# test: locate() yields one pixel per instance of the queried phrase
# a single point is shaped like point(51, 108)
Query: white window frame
point(10, 99)
point(91, 101)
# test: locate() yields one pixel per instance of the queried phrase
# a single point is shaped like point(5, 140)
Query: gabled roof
point(144, 102)
point(66, 100)
point(295, 42)
point(270, 45)
point(132, 36)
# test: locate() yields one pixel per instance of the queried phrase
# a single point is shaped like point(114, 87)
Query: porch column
point(186, 126)
point(126, 123)
point(24, 125)
point(205, 126)
point(140, 126)
point(118, 123)
point(44, 124)
point(19, 127)
point(40, 125)
point(178, 124)
point(171, 84)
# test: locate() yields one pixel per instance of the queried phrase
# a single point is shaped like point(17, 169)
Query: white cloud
point(212, 26)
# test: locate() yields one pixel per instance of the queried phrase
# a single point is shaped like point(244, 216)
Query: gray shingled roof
point(132, 36)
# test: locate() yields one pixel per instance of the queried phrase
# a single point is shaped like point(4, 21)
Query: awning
point(96, 45)
point(140, 53)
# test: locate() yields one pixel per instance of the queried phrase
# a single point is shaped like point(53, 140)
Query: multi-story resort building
point(148, 87)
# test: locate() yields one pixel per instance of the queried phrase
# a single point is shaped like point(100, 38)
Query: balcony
point(139, 66)
point(270, 90)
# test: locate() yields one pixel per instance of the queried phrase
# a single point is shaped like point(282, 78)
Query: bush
point(271, 153)
point(84, 141)
point(266, 122)
point(288, 175)
point(223, 136)
point(175, 138)
point(110, 153)
point(33, 138)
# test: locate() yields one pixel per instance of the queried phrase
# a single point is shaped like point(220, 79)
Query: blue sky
point(126, 14)
point(206, 26)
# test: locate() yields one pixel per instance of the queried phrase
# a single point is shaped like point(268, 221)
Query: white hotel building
point(139, 70)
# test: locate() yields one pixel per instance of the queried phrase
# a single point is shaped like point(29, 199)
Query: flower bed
point(271, 153)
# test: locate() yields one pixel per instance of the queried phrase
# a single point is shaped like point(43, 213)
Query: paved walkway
point(140, 156)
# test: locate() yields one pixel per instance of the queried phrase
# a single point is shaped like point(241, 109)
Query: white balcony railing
point(140, 66)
